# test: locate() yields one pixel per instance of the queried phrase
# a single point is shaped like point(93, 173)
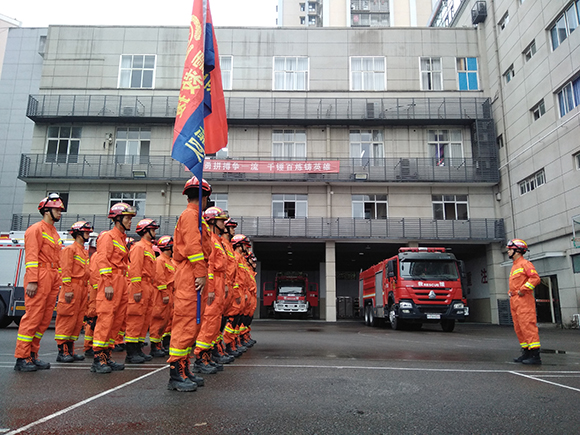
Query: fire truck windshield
point(429, 270)
point(284, 290)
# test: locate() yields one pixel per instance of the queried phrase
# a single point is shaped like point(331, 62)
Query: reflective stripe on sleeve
point(195, 257)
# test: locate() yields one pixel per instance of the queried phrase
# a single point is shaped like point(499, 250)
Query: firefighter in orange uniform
point(112, 262)
point(72, 300)
point(245, 336)
point(523, 281)
point(191, 251)
point(233, 299)
point(141, 277)
point(91, 313)
point(215, 289)
point(164, 276)
point(42, 247)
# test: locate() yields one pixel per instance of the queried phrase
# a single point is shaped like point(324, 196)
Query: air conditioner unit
point(127, 111)
point(479, 12)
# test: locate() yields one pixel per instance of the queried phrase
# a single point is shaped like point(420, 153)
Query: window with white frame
point(431, 74)
point(467, 73)
point(504, 20)
point(132, 145)
point(137, 71)
point(367, 73)
point(509, 74)
point(565, 24)
point(290, 73)
point(220, 200)
point(369, 206)
point(289, 144)
point(136, 199)
point(62, 144)
point(577, 161)
point(569, 96)
point(532, 182)
point(289, 206)
point(367, 147)
point(450, 207)
point(302, 7)
point(530, 51)
point(445, 147)
point(538, 110)
point(226, 65)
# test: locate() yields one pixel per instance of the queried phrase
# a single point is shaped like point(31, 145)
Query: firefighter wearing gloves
point(163, 295)
point(112, 262)
point(191, 251)
point(72, 299)
point(41, 283)
point(141, 281)
point(215, 290)
point(523, 280)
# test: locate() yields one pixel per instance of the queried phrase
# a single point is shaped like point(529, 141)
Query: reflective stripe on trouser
point(137, 314)
point(184, 329)
point(69, 316)
point(212, 317)
point(88, 337)
point(111, 314)
point(523, 309)
point(39, 310)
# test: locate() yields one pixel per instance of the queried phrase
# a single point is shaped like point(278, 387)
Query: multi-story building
point(5, 24)
point(533, 53)
point(354, 13)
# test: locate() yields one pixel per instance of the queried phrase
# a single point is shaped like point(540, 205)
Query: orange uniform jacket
point(523, 277)
point(142, 266)
point(42, 250)
point(188, 244)
point(75, 268)
point(94, 277)
point(113, 256)
point(164, 275)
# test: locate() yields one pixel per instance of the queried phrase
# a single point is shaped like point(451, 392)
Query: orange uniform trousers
point(39, 310)
point(523, 309)
point(111, 314)
point(159, 317)
point(212, 317)
point(91, 311)
point(69, 316)
point(139, 313)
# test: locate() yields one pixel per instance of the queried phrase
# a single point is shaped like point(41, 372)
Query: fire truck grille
point(441, 295)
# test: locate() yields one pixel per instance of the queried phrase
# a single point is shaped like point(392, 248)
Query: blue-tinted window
point(467, 73)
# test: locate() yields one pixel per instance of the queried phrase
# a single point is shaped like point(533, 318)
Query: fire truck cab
point(291, 293)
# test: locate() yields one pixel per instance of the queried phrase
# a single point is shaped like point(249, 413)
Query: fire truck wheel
point(372, 318)
point(366, 310)
point(396, 324)
point(4, 319)
point(448, 325)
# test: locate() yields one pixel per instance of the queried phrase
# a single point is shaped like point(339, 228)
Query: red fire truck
point(416, 286)
point(291, 293)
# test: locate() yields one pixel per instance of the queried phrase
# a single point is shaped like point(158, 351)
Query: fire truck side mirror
point(391, 269)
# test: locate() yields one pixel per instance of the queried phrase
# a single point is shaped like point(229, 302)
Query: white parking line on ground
point(84, 402)
point(535, 378)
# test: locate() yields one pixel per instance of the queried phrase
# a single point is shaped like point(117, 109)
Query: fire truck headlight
point(458, 305)
point(406, 305)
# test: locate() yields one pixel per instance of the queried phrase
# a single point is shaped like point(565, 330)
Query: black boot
point(100, 363)
point(40, 365)
point(63, 354)
point(525, 354)
point(217, 357)
point(89, 353)
point(166, 341)
point(132, 356)
point(25, 365)
point(71, 351)
point(192, 376)
point(533, 357)
point(140, 352)
point(230, 350)
point(115, 366)
point(202, 364)
point(178, 379)
point(156, 352)
point(119, 347)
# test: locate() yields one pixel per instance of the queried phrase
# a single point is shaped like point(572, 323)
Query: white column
point(330, 281)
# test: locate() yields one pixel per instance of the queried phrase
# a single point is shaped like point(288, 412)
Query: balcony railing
point(314, 111)
point(36, 167)
point(400, 229)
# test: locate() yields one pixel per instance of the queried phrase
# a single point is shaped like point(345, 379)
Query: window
point(504, 20)
point(367, 147)
point(302, 7)
point(369, 206)
point(532, 182)
point(538, 110)
point(576, 263)
point(431, 74)
point(367, 73)
point(137, 71)
point(290, 73)
point(450, 207)
point(370, 20)
point(499, 141)
point(569, 96)
point(302, 20)
point(530, 51)
point(62, 145)
point(565, 24)
point(136, 199)
point(289, 206)
point(467, 73)
point(226, 65)
point(509, 74)
point(577, 161)
point(289, 144)
point(220, 200)
point(132, 145)
point(446, 147)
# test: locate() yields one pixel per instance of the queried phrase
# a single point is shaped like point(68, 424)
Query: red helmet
point(129, 242)
point(193, 183)
point(146, 224)
point(240, 239)
point(156, 250)
point(51, 201)
point(215, 213)
point(81, 226)
point(121, 209)
point(518, 244)
point(165, 242)
point(231, 223)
